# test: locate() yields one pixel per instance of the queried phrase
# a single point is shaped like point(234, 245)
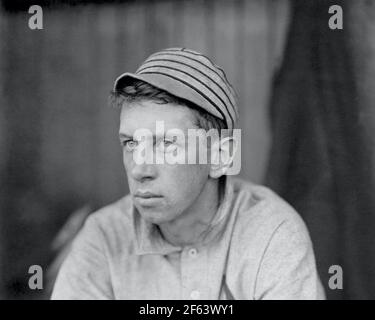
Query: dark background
point(306, 103)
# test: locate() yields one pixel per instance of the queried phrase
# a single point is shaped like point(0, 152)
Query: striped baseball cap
point(189, 75)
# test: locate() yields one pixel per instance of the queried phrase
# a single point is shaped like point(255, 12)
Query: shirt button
point(195, 294)
point(193, 252)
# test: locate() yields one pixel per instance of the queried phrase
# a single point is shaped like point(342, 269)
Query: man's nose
point(142, 172)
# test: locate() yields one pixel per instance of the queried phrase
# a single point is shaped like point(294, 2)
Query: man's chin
point(155, 216)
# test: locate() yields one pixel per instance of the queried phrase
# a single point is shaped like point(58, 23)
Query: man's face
point(161, 192)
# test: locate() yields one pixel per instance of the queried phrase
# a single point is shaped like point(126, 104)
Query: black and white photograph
point(186, 150)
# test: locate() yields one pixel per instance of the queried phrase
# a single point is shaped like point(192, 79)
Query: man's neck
point(190, 226)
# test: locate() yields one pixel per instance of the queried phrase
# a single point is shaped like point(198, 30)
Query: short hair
point(139, 91)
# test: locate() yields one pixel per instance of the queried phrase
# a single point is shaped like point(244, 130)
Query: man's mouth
point(147, 198)
point(146, 195)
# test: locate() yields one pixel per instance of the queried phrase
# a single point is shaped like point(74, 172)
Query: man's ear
point(222, 155)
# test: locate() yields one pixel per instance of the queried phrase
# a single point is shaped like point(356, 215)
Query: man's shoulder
point(118, 210)
point(113, 221)
point(261, 211)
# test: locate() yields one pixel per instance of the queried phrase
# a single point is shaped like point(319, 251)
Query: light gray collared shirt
point(257, 247)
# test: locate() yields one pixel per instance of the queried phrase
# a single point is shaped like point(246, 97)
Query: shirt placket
point(194, 273)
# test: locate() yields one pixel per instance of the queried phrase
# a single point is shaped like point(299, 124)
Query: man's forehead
point(151, 115)
point(158, 130)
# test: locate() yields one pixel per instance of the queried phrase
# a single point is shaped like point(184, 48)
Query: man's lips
point(147, 198)
point(146, 195)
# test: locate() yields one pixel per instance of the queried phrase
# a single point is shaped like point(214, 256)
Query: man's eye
point(167, 145)
point(130, 145)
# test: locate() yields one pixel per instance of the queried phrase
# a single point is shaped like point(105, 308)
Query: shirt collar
point(149, 240)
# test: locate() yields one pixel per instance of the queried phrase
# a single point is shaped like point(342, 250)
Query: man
point(186, 230)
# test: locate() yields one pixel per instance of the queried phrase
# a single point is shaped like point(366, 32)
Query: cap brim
point(171, 86)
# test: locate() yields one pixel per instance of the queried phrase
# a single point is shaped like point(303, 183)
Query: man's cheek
point(126, 161)
point(128, 173)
